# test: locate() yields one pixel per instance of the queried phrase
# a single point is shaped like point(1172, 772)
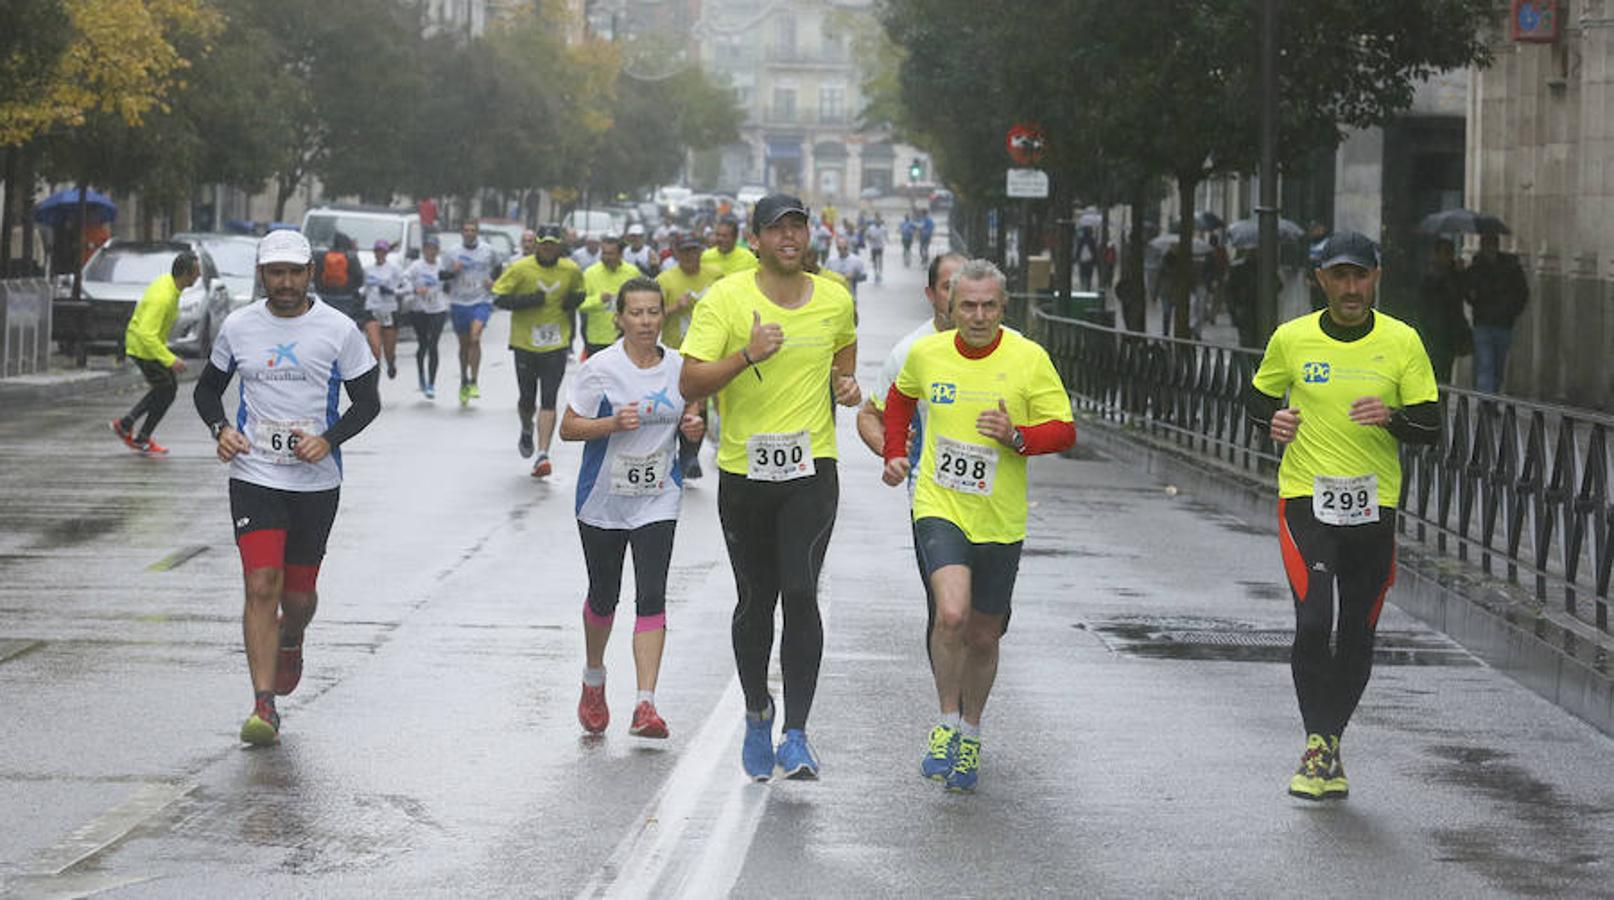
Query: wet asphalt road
point(1138, 743)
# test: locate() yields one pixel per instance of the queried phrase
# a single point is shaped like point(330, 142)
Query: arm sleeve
point(1052, 436)
point(1259, 407)
point(899, 412)
point(209, 394)
point(1417, 424)
point(364, 396)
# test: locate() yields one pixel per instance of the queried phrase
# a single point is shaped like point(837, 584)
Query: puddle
point(1265, 590)
point(1207, 639)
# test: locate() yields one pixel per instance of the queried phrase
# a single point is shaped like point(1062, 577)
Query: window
point(784, 104)
point(832, 103)
point(784, 40)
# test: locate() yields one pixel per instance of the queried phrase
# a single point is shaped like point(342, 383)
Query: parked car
point(671, 199)
point(941, 198)
point(748, 195)
point(236, 257)
point(502, 235)
point(113, 281)
point(595, 223)
point(365, 225)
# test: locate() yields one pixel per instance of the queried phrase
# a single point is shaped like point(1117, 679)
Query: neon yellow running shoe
point(473, 391)
point(262, 728)
point(1335, 786)
point(941, 754)
point(1309, 780)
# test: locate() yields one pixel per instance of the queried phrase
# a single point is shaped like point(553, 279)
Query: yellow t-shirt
point(547, 326)
point(146, 336)
point(836, 277)
point(793, 394)
point(674, 284)
point(739, 260)
point(964, 477)
point(1323, 376)
point(599, 326)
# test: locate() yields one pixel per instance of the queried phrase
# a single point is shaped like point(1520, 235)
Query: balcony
point(795, 116)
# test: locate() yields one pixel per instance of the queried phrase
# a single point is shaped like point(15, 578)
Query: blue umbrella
point(59, 208)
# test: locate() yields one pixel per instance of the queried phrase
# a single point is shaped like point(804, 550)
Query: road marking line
point(109, 827)
point(177, 558)
point(11, 649)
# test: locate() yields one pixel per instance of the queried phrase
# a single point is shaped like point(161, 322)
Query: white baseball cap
point(635, 229)
point(284, 246)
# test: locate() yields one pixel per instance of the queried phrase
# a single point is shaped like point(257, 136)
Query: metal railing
point(25, 313)
point(1523, 486)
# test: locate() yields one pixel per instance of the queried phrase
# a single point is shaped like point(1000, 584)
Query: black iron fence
point(1520, 488)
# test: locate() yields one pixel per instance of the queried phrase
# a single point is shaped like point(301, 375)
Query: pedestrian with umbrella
point(1495, 289)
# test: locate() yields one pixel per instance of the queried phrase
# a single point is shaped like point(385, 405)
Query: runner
point(905, 230)
point(384, 283)
point(145, 341)
point(847, 263)
point(874, 238)
point(542, 291)
point(640, 254)
point(969, 501)
point(778, 491)
point(625, 404)
point(681, 288)
point(430, 310)
point(724, 252)
point(1359, 385)
point(926, 228)
point(871, 416)
point(290, 350)
point(601, 281)
point(471, 271)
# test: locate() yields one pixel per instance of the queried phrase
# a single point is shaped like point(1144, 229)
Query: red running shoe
point(124, 434)
point(288, 669)
point(150, 447)
point(647, 723)
point(592, 711)
point(541, 468)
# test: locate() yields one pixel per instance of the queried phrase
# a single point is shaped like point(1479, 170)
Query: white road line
point(108, 828)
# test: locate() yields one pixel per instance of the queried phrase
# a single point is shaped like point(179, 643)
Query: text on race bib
point(965, 467)
point(637, 476)
point(779, 457)
point(1345, 501)
point(546, 335)
point(274, 442)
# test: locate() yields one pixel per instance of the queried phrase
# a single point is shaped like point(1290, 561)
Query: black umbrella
point(1205, 220)
point(1466, 221)
point(1247, 232)
point(59, 208)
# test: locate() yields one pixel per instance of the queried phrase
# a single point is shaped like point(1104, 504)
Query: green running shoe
point(1310, 778)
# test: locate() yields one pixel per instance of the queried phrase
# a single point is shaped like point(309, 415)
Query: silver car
point(115, 278)
point(236, 257)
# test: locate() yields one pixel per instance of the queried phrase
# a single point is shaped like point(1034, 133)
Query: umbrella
point(1462, 220)
point(1161, 244)
point(59, 208)
point(1090, 218)
point(1205, 220)
point(1247, 232)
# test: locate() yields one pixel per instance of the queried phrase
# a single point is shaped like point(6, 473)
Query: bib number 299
point(1345, 501)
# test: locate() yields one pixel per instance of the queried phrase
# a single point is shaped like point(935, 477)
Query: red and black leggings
point(1356, 565)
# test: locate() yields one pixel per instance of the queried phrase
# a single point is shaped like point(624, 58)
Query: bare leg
point(260, 626)
point(297, 610)
point(948, 651)
point(389, 345)
point(647, 656)
point(472, 351)
point(595, 638)
point(980, 662)
point(546, 429)
point(372, 333)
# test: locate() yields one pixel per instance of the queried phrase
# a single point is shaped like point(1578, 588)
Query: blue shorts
point(463, 315)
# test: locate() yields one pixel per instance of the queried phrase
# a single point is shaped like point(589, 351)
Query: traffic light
point(916, 170)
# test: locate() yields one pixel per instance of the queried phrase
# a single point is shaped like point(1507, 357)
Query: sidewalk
point(65, 382)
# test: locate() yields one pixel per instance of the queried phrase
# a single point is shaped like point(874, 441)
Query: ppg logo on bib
point(1315, 372)
point(943, 392)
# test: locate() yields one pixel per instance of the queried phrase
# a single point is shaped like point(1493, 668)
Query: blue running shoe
point(967, 769)
point(756, 754)
point(796, 758)
point(941, 755)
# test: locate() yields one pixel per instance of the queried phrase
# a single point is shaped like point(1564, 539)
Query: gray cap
point(1348, 248)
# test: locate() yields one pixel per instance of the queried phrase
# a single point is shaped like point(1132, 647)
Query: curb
point(64, 386)
point(1499, 622)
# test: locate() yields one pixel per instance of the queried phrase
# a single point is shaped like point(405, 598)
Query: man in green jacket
point(146, 342)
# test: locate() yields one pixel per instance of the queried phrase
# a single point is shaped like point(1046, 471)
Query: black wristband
point(745, 354)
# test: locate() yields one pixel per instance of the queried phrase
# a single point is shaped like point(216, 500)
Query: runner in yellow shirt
point(601, 281)
point(969, 500)
point(541, 291)
point(146, 342)
point(1360, 384)
point(727, 257)
point(773, 346)
point(683, 286)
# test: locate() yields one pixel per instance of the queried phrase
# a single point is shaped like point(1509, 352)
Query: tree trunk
point(25, 209)
point(1130, 288)
point(285, 186)
point(9, 184)
point(78, 242)
point(1183, 289)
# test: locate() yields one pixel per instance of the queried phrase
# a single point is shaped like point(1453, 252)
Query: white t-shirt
point(476, 265)
point(850, 266)
point(670, 262)
point(422, 274)
point(384, 285)
point(874, 236)
point(291, 372)
point(584, 259)
point(630, 478)
point(641, 258)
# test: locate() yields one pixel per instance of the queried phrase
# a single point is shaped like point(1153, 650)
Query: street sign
point(1536, 21)
point(1027, 184)
point(1025, 143)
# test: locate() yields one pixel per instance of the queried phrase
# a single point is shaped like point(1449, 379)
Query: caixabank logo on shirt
point(283, 364)
point(658, 408)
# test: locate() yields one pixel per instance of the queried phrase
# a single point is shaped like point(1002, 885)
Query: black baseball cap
point(548, 233)
point(687, 240)
point(1348, 248)
point(774, 207)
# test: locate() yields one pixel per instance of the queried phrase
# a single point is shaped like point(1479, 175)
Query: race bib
point(964, 467)
point(546, 335)
point(779, 457)
point(1345, 501)
point(274, 442)
point(636, 476)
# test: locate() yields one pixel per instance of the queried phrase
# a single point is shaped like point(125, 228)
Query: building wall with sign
point(1541, 156)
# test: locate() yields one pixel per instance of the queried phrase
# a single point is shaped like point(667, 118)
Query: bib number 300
point(1345, 501)
point(779, 457)
point(965, 467)
point(275, 442)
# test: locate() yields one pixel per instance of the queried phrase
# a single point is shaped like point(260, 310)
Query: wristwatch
point(1019, 442)
point(217, 428)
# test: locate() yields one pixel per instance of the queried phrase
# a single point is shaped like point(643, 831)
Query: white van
point(365, 225)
